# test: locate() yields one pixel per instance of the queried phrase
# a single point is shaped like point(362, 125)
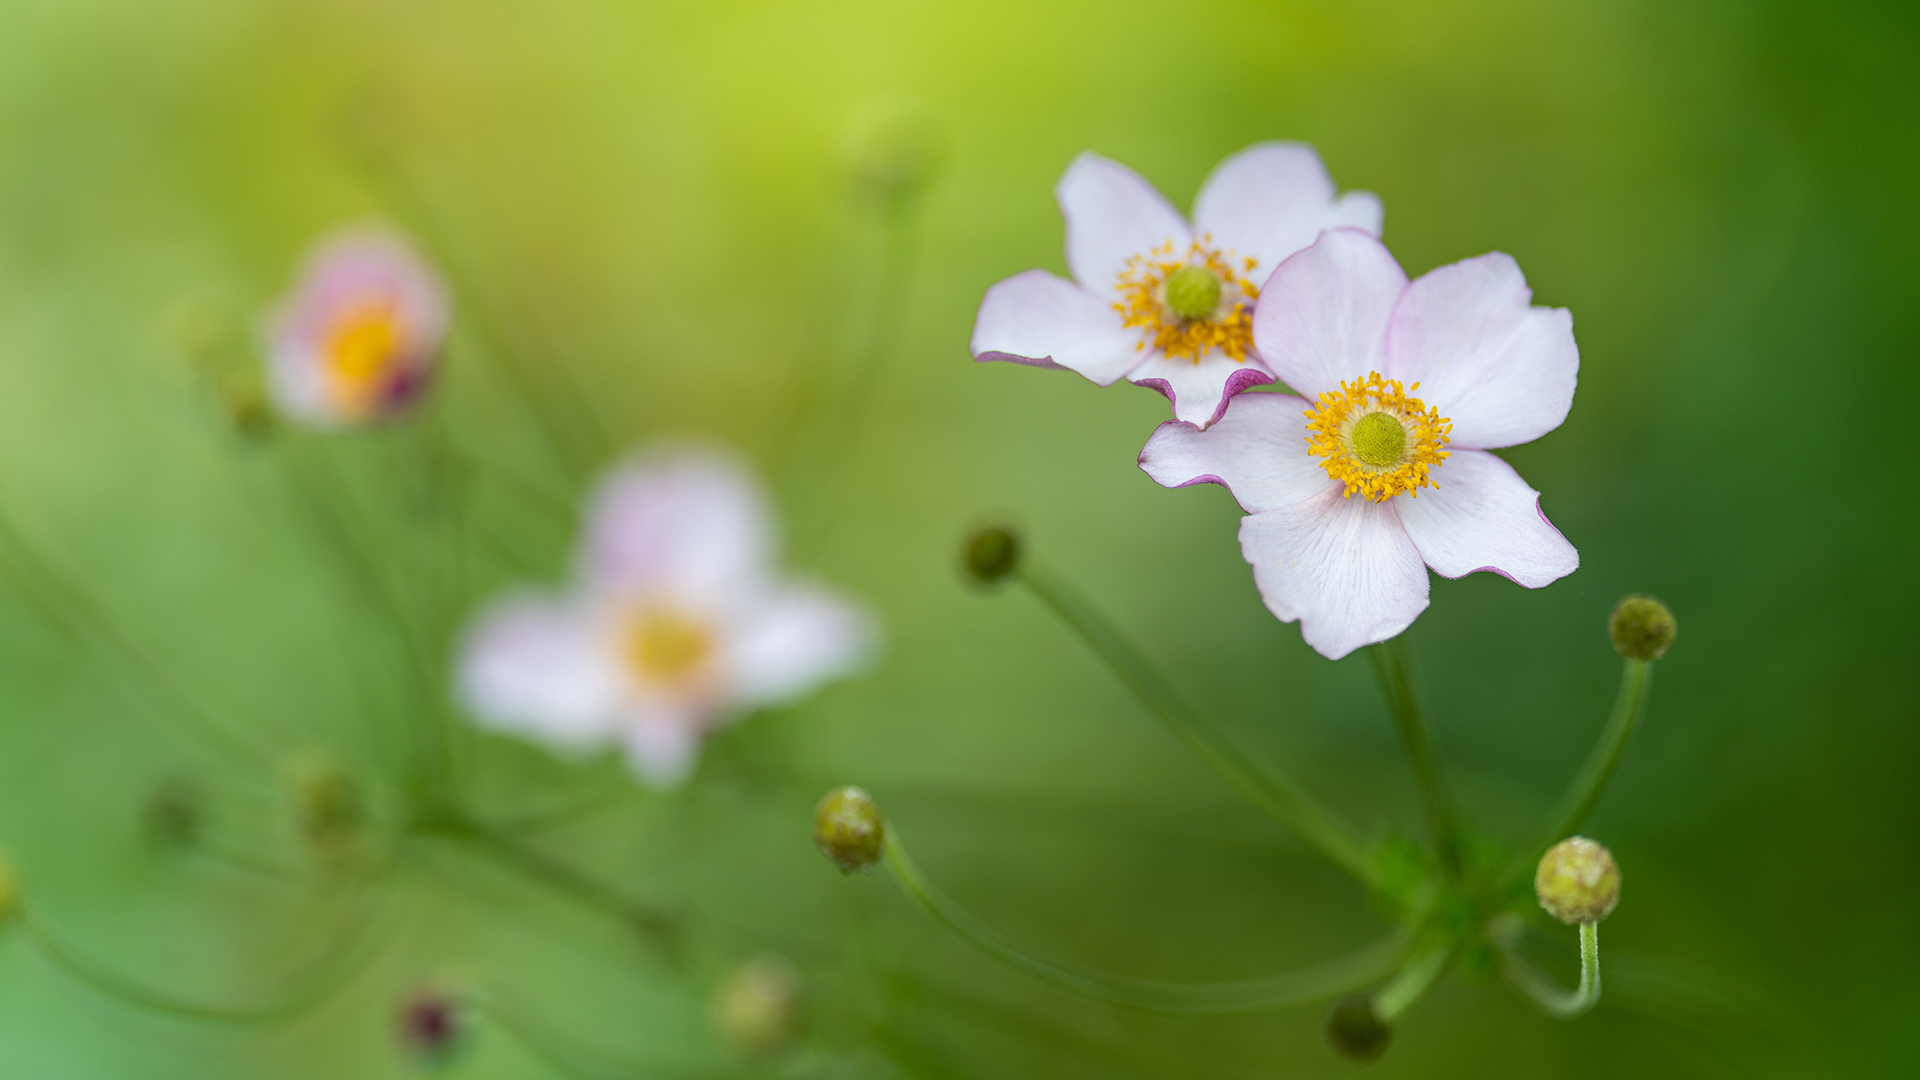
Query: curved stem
point(1591, 782)
point(1412, 982)
point(1544, 992)
point(1390, 667)
point(1270, 790)
point(1200, 999)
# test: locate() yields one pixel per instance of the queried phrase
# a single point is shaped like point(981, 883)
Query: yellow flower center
point(362, 346)
point(1377, 440)
point(667, 647)
point(1190, 303)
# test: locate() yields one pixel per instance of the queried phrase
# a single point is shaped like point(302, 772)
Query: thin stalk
point(1412, 982)
point(1269, 789)
point(1636, 680)
point(1436, 805)
point(1538, 988)
point(1201, 999)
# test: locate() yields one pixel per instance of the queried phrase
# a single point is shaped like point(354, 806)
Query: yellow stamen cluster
point(362, 347)
point(1376, 439)
point(667, 647)
point(1228, 327)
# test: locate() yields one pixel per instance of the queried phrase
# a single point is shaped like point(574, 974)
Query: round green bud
point(848, 829)
point(893, 148)
point(1193, 292)
point(1578, 882)
point(1355, 1031)
point(1379, 439)
point(1642, 628)
point(328, 806)
point(757, 1009)
point(991, 555)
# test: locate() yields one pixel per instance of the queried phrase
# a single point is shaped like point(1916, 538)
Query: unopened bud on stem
point(1355, 1031)
point(1642, 628)
point(758, 1007)
point(1578, 882)
point(848, 828)
point(991, 555)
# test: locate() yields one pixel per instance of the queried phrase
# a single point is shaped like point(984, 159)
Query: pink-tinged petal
point(1037, 319)
point(1200, 392)
point(1482, 516)
point(803, 636)
point(1258, 451)
point(663, 745)
point(1501, 370)
point(1344, 567)
point(1322, 317)
point(1272, 199)
point(537, 666)
point(687, 525)
point(1112, 215)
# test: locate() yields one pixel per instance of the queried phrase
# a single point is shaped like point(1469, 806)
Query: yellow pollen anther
point(1377, 440)
point(362, 347)
point(1190, 303)
point(666, 646)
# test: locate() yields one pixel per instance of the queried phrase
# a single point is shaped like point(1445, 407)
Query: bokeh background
point(658, 225)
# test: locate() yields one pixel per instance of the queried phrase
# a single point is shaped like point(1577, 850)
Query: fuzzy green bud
point(1642, 628)
point(893, 149)
point(757, 1009)
point(1578, 882)
point(1356, 1032)
point(991, 555)
point(848, 829)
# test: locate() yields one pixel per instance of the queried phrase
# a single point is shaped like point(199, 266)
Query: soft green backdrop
point(651, 201)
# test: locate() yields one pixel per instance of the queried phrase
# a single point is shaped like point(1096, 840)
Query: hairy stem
point(1272, 791)
point(1538, 988)
point(1390, 667)
point(1636, 680)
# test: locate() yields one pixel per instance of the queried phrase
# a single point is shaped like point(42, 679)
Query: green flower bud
point(893, 148)
point(1356, 1032)
point(991, 555)
point(848, 829)
point(1578, 882)
point(1642, 628)
point(757, 1009)
point(328, 807)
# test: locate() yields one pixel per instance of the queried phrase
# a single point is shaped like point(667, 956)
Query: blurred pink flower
point(357, 336)
point(678, 623)
point(1167, 305)
point(1340, 320)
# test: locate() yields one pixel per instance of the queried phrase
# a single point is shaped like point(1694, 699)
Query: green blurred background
point(649, 206)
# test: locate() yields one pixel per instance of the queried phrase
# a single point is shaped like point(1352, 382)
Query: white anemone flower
point(1339, 531)
point(1166, 304)
point(677, 624)
point(357, 336)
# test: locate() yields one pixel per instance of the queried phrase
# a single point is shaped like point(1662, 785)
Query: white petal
point(802, 637)
point(1272, 199)
point(687, 524)
point(1482, 516)
point(1342, 566)
point(663, 746)
point(1200, 392)
point(1038, 319)
point(1258, 451)
point(1322, 316)
point(1502, 371)
point(535, 665)
point(1112, 215)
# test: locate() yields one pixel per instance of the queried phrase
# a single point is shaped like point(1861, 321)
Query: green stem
point(1203, 999)
point(1591, 782)
point(1390, 666)
point(1412, 982)
point(1272, 791)
point(1542, 991)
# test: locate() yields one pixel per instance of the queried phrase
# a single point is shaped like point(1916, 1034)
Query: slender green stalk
point(1542, 991)
point(1272, 791)
point(1436, 804)
point(1412, 982)
point(1201, 999)
point(1636, 680)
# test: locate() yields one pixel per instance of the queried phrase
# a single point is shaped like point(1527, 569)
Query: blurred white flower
point(1167, 304)
point(1340, 320)
point(357, 336)
point(677, 624)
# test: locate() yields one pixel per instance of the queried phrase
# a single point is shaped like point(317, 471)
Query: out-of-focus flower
point(431, 1026)
point(758, 1007)
point(357, 337)
point(678, 623)
point(1166, 304)
point(1335, 533)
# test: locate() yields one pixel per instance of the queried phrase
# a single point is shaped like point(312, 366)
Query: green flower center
point(1193, 292)
point(1379, 439)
